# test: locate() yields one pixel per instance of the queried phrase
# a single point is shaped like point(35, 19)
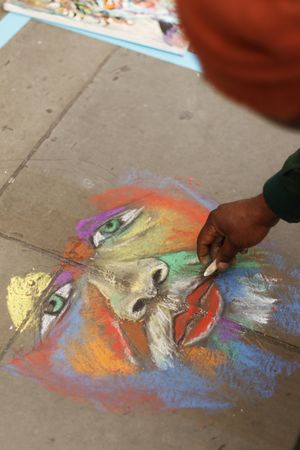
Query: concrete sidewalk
point(76, 116)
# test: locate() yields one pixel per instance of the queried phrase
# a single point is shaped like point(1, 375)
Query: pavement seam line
point(37, 308)
point(61, 258)
point(48, 133)
point(272, 339)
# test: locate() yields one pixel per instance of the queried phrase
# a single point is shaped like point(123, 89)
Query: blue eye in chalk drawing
point(55, 307)
point(115, 225)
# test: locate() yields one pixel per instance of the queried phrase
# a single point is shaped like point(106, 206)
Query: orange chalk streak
point(102, 349)
point(205, 360)
point(119, 197)
point(77, 250)
point(156, 198)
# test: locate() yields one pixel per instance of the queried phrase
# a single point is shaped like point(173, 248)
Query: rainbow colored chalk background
point(138, 329)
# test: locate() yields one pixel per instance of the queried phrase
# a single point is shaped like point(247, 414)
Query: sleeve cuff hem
point(284, 203)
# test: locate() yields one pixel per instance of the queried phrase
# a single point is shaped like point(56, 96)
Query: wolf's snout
point(143, 278)
point(150, 274)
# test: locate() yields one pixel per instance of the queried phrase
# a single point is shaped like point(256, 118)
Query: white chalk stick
point(211, 268)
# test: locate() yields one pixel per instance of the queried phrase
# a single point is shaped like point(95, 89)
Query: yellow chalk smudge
point(22, 293)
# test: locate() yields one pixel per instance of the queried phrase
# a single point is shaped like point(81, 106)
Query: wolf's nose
point(138, 306)
point(159, 272)
point(159, 275)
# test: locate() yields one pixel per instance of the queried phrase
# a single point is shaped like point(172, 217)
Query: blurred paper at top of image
point(152, 23)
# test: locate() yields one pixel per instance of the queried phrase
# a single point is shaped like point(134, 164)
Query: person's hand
point(232, 228)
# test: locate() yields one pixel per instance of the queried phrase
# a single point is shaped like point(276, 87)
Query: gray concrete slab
point(48, 213)
point(133, 113)
point(42, 71)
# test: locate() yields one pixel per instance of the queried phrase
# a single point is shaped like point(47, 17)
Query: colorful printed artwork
point(130, 322)
point(152, 23)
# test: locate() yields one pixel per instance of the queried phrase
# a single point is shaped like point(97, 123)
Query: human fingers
point(215, 246)
point(207, 236)
point(226, 254)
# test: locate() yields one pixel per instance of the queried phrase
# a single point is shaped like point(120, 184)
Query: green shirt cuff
point(283, 202)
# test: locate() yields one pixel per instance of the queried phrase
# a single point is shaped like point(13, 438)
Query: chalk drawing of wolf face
point(132, 303)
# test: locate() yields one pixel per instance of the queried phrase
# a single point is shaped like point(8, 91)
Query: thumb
point(226, 254)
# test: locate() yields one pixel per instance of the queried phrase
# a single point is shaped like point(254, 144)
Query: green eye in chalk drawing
point(55, 305)
point(113, 226)
point(110, 227)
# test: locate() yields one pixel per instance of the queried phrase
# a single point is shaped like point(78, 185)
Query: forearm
point(282, 190)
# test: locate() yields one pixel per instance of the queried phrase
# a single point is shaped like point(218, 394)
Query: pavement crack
point(54, 124)
point(41, 250)
point(37, 308)
point(271, 339)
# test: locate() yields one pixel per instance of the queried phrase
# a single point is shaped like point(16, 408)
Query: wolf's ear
point(22, 294)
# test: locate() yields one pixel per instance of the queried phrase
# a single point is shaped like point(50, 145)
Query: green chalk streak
point(181, 264)
point(255, 259)
point(247, 265)
point(116, 298)
point(247, 323)
point(226, 347)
